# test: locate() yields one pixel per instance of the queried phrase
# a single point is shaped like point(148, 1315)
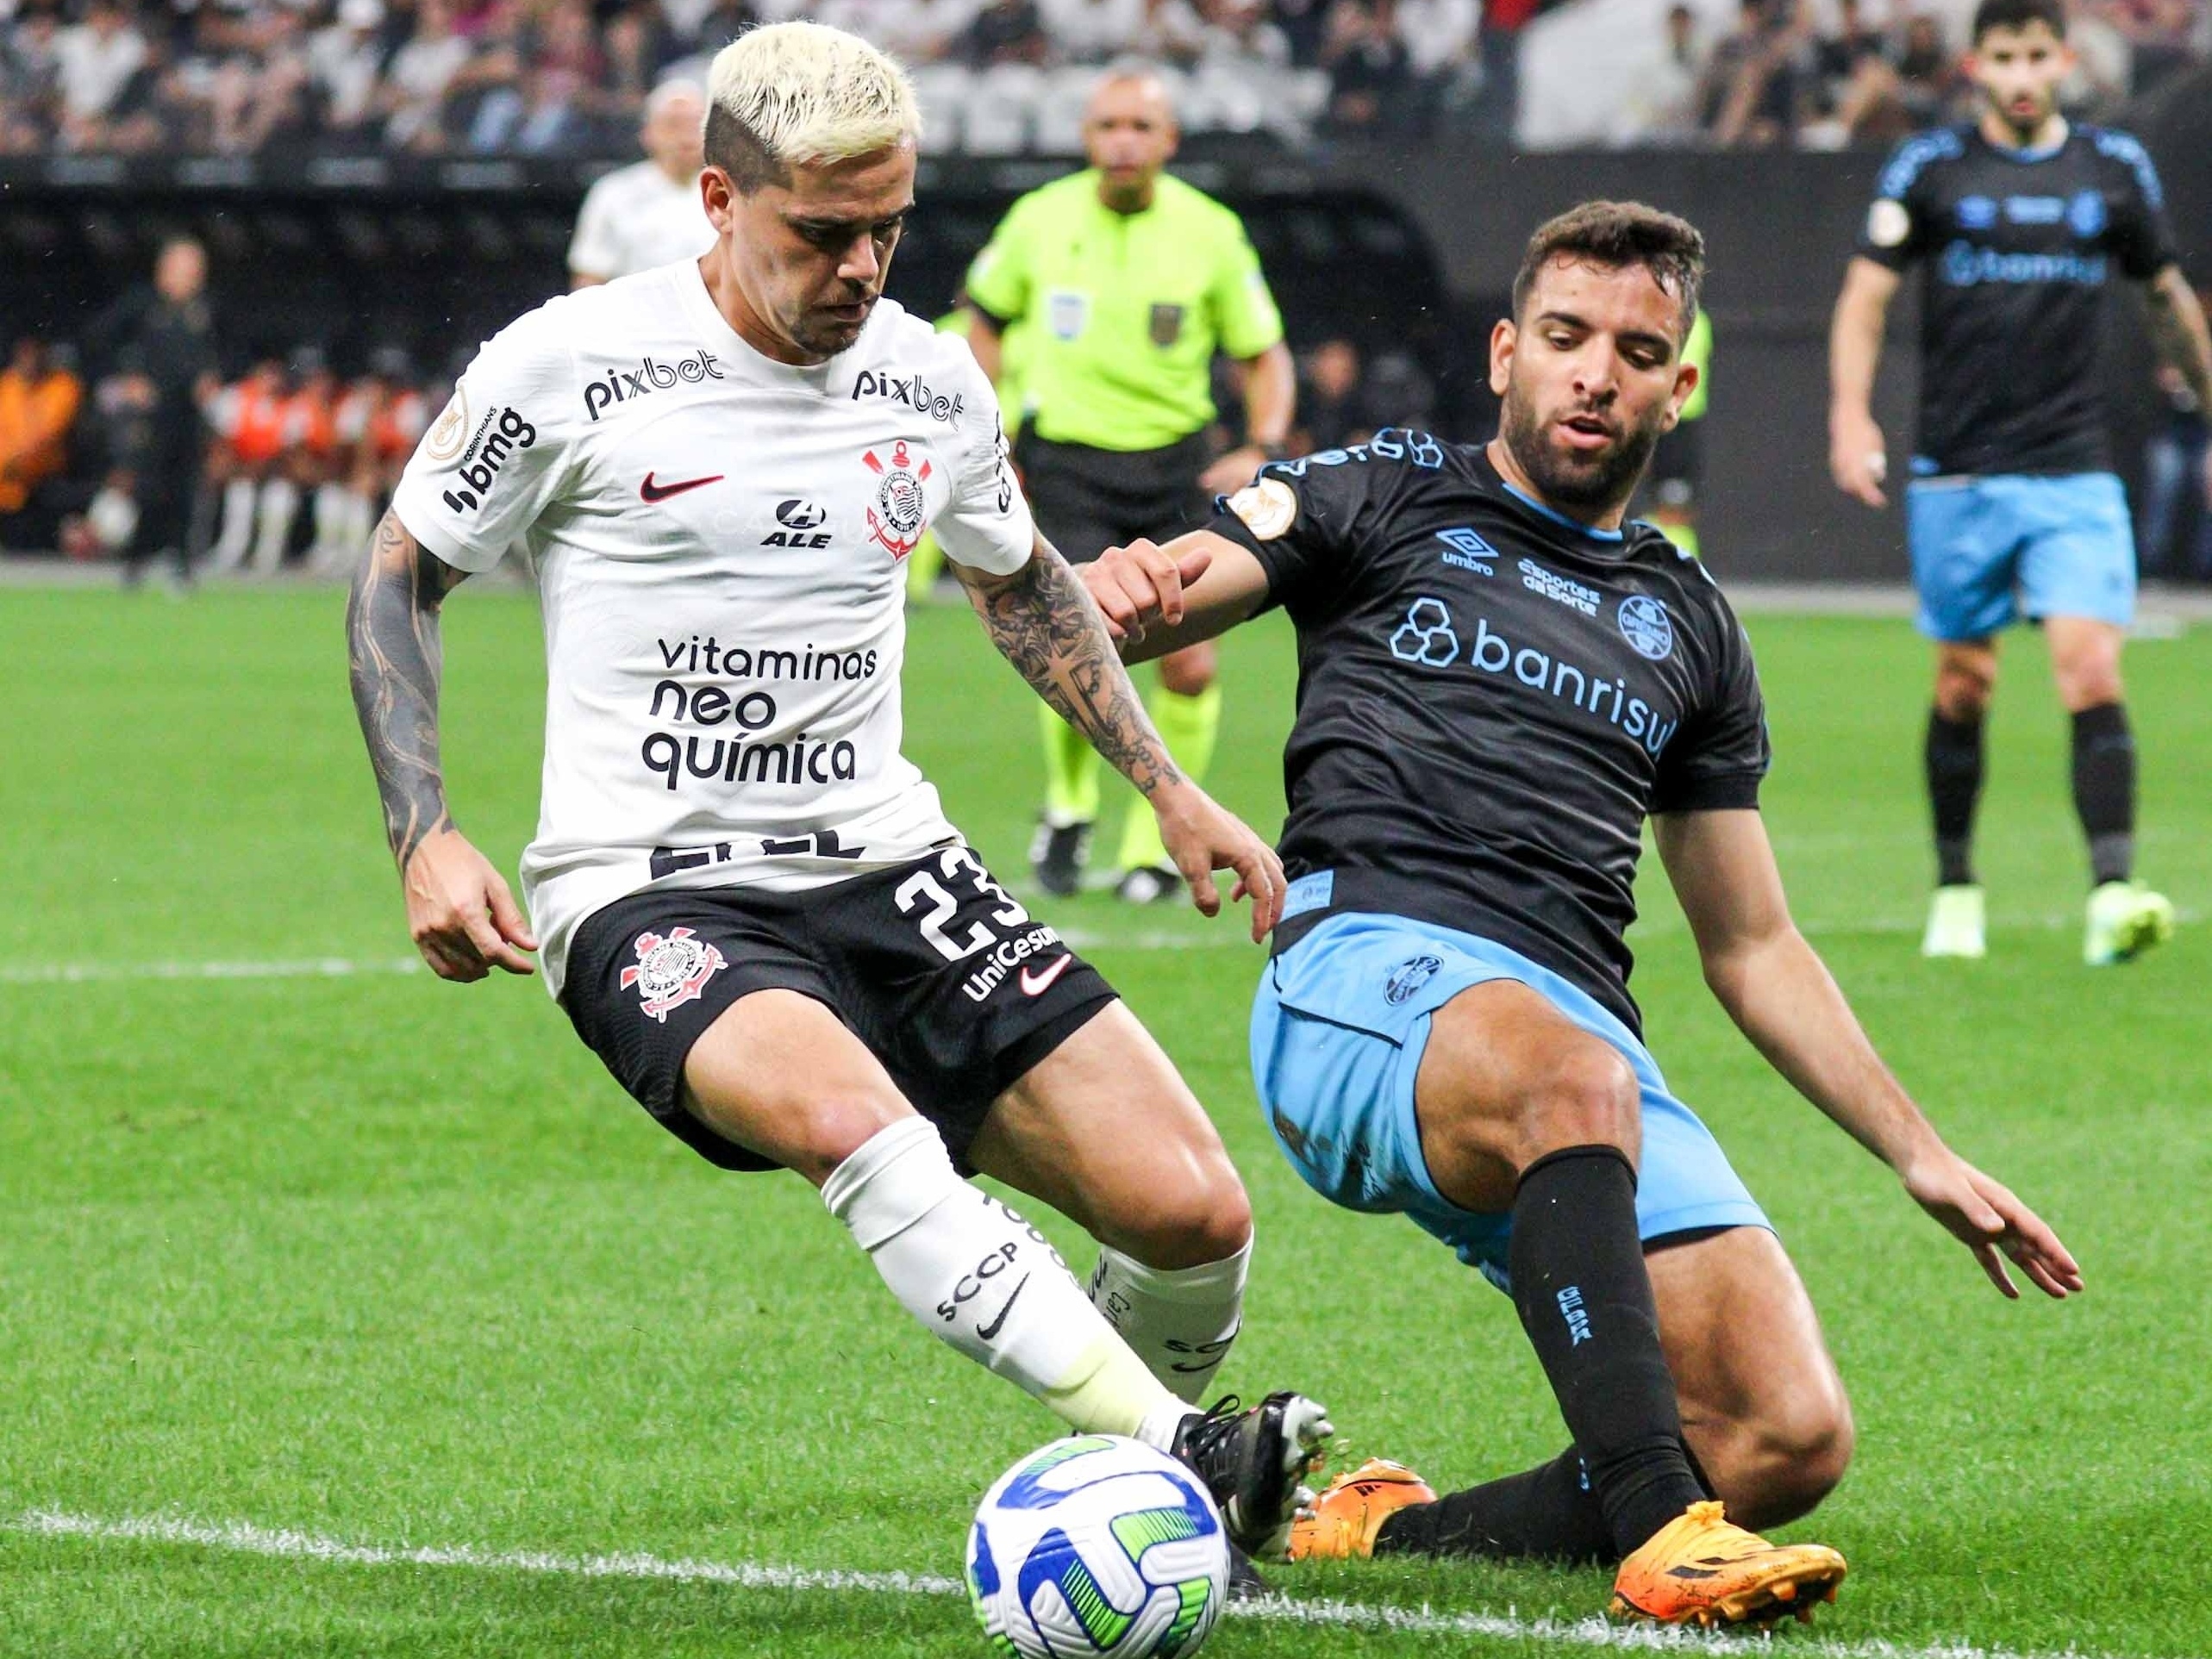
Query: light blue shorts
point(1338, 1028)
point(1988, 551)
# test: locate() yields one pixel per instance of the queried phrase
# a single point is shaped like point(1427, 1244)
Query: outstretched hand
point(1202, 838)
point(1983, 1216)
point(1140, 586)
point(462, 916)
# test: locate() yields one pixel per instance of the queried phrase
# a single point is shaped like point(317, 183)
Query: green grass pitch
point(392, 1262)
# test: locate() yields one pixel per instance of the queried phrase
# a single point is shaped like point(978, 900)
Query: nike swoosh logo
point(649, 491)
point(1036, 985)
point(988, 1331)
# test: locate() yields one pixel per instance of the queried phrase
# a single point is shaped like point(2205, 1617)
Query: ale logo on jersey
point(900, 507)
point(672, 971)
point(802, 521)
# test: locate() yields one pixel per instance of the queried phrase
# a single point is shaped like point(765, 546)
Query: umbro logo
point(1467, 550)
point(649, 492)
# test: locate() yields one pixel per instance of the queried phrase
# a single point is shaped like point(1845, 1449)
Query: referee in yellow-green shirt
point(1126, 282)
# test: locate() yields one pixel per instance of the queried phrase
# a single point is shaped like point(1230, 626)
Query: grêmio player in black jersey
point(1499, 681)
point(2022, 224)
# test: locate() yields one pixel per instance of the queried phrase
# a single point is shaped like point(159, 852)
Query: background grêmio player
point(752, 905)
point(1498, 680)
point(2021, 220)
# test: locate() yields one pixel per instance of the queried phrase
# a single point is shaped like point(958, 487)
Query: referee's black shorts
point(1677, 466)
point(1087, 500)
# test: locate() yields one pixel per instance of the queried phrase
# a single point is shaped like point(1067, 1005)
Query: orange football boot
point(1699, 1569)
point(1342, 1524)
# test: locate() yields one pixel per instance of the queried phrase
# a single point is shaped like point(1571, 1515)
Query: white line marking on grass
point(81, 973)
point(244, 1538)
point(1077, 938)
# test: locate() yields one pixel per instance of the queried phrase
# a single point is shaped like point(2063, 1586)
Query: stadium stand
point(386, 181)
point(568, 77)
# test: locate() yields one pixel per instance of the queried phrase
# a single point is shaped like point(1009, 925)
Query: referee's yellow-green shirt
point(1697, 351)
point(1124, 312)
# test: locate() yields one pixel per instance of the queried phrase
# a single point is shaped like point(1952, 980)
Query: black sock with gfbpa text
point(1954, 785)
point(2104, 790)
point(1584, 1298)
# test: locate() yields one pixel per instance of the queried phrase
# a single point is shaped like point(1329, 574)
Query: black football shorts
point(1677, 467)
point(941, 974)
point(1087, 500)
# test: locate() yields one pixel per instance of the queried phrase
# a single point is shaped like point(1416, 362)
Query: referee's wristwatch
point(1275, 452)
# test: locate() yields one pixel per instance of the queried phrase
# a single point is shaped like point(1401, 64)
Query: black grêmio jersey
point(1490, 700)
point(2020, 247)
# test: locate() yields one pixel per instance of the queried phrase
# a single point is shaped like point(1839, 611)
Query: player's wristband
point(1274, 452)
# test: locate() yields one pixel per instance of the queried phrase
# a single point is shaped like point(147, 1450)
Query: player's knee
point(1190, 672)
point(1965, 687)
point(2089, 681)
point(1190, 1222)
point(1793, 1458)
point(1590, 1097)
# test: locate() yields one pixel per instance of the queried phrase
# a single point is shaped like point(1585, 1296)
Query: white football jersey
point(635, 219)
point(720, 542)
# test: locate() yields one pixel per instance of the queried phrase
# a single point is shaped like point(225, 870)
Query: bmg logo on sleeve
point(504, 432)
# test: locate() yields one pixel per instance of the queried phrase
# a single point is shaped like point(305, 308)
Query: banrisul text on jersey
point(1491, 698)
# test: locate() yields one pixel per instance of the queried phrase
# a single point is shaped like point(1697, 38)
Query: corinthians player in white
point(749, 903)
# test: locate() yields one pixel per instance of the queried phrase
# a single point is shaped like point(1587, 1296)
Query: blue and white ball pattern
point(1096, 1545)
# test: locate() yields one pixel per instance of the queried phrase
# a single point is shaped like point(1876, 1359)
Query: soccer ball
point(1097, 1545)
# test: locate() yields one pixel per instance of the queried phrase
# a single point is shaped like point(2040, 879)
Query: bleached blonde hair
point(801, 93)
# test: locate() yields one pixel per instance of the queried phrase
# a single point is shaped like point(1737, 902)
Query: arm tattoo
point(391, 637)
point(1044, 622)
point(2178, 326)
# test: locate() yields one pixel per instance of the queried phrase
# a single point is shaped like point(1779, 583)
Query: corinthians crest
point(672, 971)
point(900, 507)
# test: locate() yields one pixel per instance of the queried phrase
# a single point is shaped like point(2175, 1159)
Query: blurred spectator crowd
point(147, 452)
point(1781, 74)
point(150, 445)
point(141, 450)
point(569, 77)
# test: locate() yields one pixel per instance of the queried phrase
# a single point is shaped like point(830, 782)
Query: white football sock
point(1179, 1320)
point(273, 528)
point(984, 1281)
point(334, 516)
point(237, 534)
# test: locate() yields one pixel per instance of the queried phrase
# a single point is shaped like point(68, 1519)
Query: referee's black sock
point(1548, 1512)
point(2104, 790)
point(1954, 785)
point(1584, 1297)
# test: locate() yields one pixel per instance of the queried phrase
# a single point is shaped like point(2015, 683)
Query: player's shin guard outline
point(985, 1282)
point(1180, 1321)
